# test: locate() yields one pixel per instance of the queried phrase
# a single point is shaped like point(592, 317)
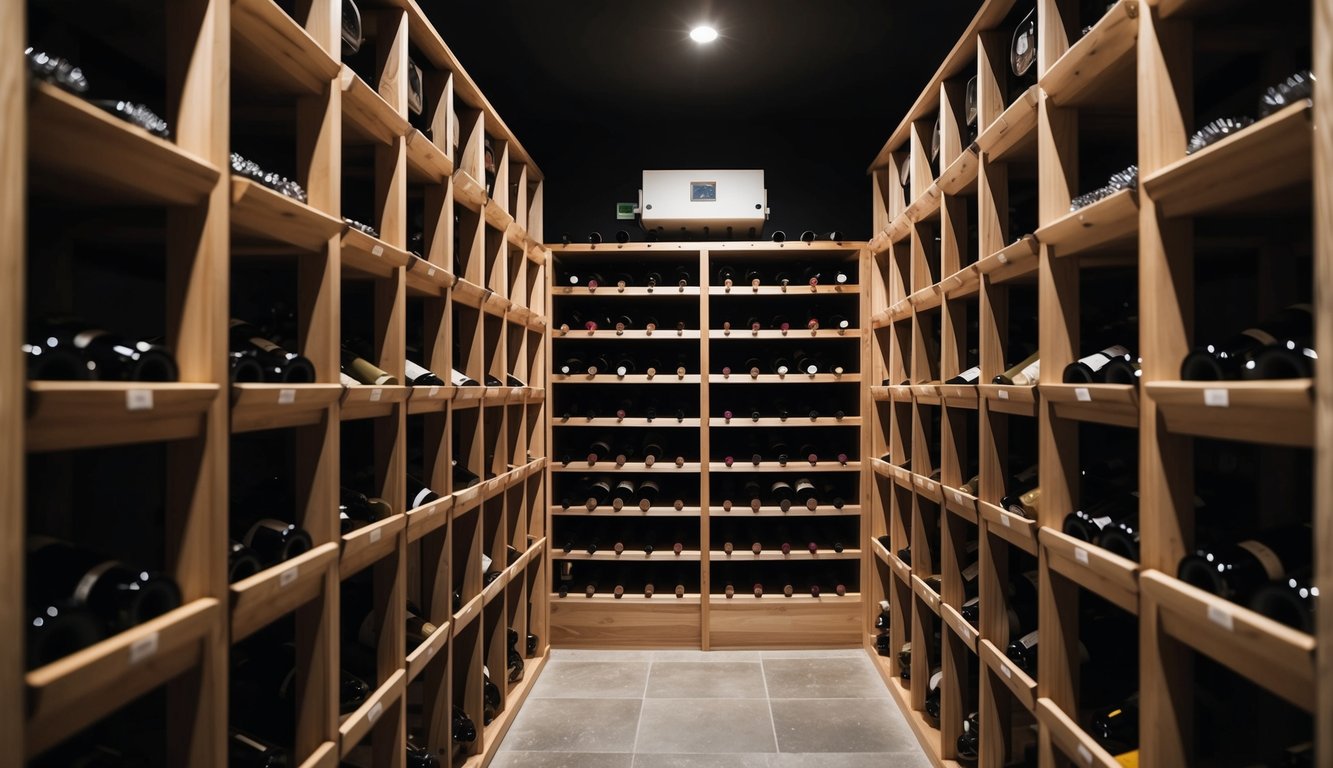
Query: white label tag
point(377, 251)
point(1216, 398)
point(288, 576)
point(430, 272)
point(434, 390)
point(1081, 555)
point(375, 535)
point(1007, 673)
point(1082, 395)
point(958, 497)
point(1085, 754)
point(1221, 617)
point(375, 394)
point(375, 712)
point(1004, 519)
point(144, 647)
point(139, 400)
point(286, 396)
point(1003, 395)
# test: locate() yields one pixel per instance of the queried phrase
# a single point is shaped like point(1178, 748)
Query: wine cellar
point(371, 457)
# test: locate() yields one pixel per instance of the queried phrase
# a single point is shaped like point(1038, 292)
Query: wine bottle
point(1088, 524)
point(1288, 601)
point(1023, 652)
point(462, 476)
point(969, 741)
point(1123, 370)
point(490, 698)
point(1023, 48)
point(352, 36)
point(932, 707)
point(1024, 374)
point(599, 491)
point(623, 493)
point(1279, 347)
point(418, 376)
point(682, 276)
point(1116, 728)
point(53, 359)
point(355, 511)
point(513, 659)
point(103, 355)
point(419, 756)
point(1238, 570)
point(246, 750)
point(119, 595)
point(279, 364)
point(459, 379)
point(1091, 369)
point(365, 372)
point(1018, 485)
point(242, 562)
point(1121, 537)
point(464, 731)
point(56, 629)
point(418, 493)
point(649, 491)
point(905, 661)
point(275, 541)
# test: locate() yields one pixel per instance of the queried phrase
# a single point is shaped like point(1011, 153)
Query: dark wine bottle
point(1279, 347)
point(459, 379)
point(1092, 368)
point(1289, 601)
point(279, 364)
point(57, 629)
point(418, 493)
point(1021, 483)
point(464, 731)
point(463, 477)
point(105, 356)
point(1236, 571)
point(418, 376)
point(513, 659)
point(246, 750)
point(242, 562)
point(1023, 48)
point(274, 540)
point(490, 698)
point(1023, 652)
point(1116, 728)
point(120, 596)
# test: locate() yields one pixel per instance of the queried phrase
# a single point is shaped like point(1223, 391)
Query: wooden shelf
point(926, 206)
point(429, 517)
point(959, 395)
point(661, 467)
point(927, 488)
point(717, 334)
point(1113, 404)
point(634, 378)
point(357, 725)
point(790, 378)
point(1239, 170)
point(793, 466)
point(426, 162)
point(663, 334)
point(1017, 259)
point(627, 422)
point(1017, 530)
point(1271, 655)
point(1010, 399)
point(275, 406)
point(1070, 739)
point(371, 255)
point(368, 116)
point(365, 401)
point(261, 213)
point(928, 597)
point(1015, 127)
point(614, 292)
point(1086, 70)
point(961, 175)
point(1277, 412)
point(965, 631)
point(827, 621)
point(960, 503)
point(1111, 577)
point(925, 299)
point(718, 556)
point(963, 284)
point(1023, 688)
point(427, 279)
point(269, 45)
point(68, 415)
point(740, 291)
point(603, 599)
point(793, 421)
point(257, 601)
point(420, 657)
point(1110, 220)
point(366, 545)
point(581, 510)
point(105, 159)
point(70, 694)
point(661, 555)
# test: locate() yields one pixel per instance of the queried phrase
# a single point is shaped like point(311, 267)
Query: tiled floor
point(720, 709)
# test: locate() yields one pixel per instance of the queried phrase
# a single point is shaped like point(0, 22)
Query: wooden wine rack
point(705, 619)
point(1127, 84)
point(346, 134)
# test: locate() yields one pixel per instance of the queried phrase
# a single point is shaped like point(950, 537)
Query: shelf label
point(1082, 395)
point(1003, 394)
point(1221, 617)
point(1005, 669)
point(377, 251)
point(144, 648)
point(375, 394)
point(430, 272)
point(286, 396)
point(1085, 754)
point(958, 497)
point(375, 712)
point(434, 390)
point(1081, 555)
point(1216, 398)
point(139, 400)
point(1004, 519)
point(375, 535)
point(288, 576)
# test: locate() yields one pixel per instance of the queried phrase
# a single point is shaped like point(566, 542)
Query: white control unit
point(704, 202)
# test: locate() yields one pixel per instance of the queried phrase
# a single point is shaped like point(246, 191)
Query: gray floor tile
point(823, 679)
point(705, 680)
point(561, 760)
point(847, 760)
point(703, 761)
point(682, 655)
point(574, 725)
point(705, 726)
point(841, 725)
point(592, 680)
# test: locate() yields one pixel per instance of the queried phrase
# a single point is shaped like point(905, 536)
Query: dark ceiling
point(600, 90)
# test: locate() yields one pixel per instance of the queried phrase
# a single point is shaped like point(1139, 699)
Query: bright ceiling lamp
point(703, 34)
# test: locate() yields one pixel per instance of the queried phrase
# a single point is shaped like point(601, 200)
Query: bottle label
point(1028, 640)
point(89, 580)
point(1267, 558)
point(970, 572)
point(935, 680)
point(1097, 361)
point(1029, 375)
point(1260, 335)
point(82, 340)
point(265, 344)
point(1101, 522)
point(414, 371)
point(971, 375)
point(421, 497)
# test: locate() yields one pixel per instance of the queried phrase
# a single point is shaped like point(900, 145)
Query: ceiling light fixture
point(703, 34)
